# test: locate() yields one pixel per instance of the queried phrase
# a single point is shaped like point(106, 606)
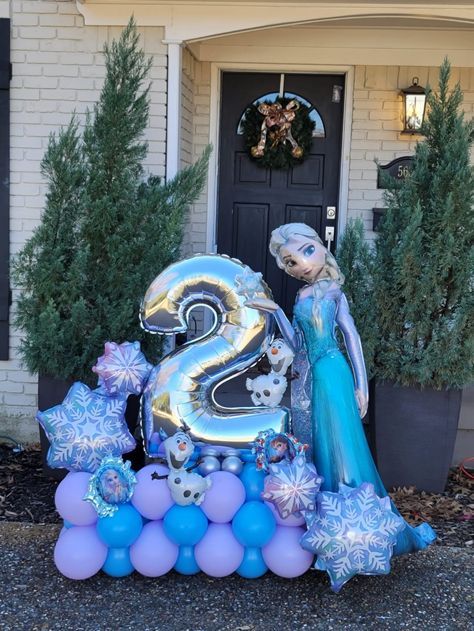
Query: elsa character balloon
point(113, 487)
point(338, 396)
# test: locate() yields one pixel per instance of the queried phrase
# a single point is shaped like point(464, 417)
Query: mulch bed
point(26, 495)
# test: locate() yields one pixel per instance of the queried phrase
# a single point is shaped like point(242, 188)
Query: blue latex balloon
point(253, 565)
point(122, 528)
point(118, 563)
point(67, 524)
point(186, 563)
point(252, 479)
point(185, 525)
point(246, 455)
point(254, 525)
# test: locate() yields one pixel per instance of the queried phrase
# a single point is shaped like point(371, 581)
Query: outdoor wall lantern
point(414, 101)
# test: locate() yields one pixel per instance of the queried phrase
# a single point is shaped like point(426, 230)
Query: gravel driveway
point(433, 589)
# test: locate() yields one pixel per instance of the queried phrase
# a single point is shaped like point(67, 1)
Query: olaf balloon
point(280, 356)
point(186, 487)
point(267, 389)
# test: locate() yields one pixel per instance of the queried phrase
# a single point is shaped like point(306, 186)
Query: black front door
point(252, 200)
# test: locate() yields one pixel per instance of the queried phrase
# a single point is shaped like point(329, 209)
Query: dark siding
point(4, 183)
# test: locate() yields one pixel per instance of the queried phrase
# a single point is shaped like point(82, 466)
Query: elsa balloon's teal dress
point(339, 446)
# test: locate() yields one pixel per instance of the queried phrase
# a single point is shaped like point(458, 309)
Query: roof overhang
point(185, 20)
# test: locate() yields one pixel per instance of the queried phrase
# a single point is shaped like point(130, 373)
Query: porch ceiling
point(188, 20)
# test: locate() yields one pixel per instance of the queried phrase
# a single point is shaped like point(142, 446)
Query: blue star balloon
point(292, 486)
point(352, 532)
point(123, 368)
point(85, 428)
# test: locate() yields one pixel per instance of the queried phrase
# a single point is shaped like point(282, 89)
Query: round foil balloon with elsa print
point(272, 447)
point(112, 484)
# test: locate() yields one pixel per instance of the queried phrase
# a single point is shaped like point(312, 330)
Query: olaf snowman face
point(186, 487)
point(178, 450)
point(280, 356)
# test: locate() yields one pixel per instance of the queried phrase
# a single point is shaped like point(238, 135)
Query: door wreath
point(278, 134)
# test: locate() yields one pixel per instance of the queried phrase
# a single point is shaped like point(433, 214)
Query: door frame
point(217, 68)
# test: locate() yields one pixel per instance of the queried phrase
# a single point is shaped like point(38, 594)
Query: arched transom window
point(318, 132)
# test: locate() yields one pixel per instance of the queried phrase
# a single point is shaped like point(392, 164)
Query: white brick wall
point(195, 136)
point(57, 69)
point(187, 107)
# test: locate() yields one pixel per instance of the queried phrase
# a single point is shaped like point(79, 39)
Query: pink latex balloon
point(152, 497)
point(153, 554)
point(69, 499)
point(219, 553)
point(284, 555)
point(79, 553)
point(291, 520)
point(224, 498)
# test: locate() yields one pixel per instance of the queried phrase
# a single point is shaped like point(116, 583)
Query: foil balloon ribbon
point(180, 390)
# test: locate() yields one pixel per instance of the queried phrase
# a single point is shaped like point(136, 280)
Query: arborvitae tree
point(356, 260)
point(425, 257)
point(106, 231)
point(51, 308)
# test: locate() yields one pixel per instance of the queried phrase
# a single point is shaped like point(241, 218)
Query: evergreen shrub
point(107, 229)
point(424, 268)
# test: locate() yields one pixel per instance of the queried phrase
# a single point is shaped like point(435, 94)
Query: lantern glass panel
point(414, 110)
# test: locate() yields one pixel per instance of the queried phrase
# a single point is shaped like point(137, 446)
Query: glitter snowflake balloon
point(84, 429)
point(292, 486)
point(352, 532)
point(249, 283)
point(123, 368)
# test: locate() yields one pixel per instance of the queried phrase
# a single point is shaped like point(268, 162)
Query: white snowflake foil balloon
point(84, 429)
point(292, 486)
point(249, 282)
point(123, 368)
point(352, 532)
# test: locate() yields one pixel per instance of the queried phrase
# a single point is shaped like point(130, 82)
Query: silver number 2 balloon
point(181, 388)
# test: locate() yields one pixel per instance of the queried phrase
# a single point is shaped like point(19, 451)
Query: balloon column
point(208, 502)
point(132, 522)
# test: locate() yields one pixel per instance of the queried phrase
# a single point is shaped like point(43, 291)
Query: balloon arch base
point(233, 530)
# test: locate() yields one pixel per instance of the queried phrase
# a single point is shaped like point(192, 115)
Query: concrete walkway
point(433, 589)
